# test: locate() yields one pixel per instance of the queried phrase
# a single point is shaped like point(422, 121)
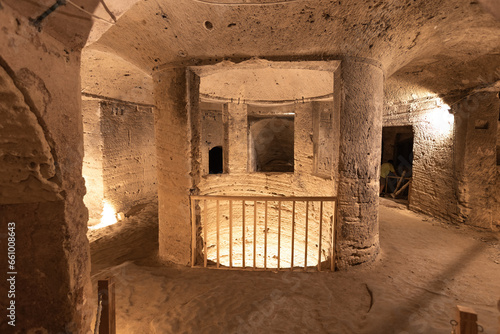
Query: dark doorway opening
point(215, 161)
point(397, 145)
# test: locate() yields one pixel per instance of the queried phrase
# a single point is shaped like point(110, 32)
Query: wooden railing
point(206, 212)
point(400, 186)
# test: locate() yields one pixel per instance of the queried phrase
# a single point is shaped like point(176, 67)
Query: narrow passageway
point(425, 269)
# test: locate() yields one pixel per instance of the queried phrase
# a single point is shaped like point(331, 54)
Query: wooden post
point(334, 237)
point(467, 320)
point(320, 233)
point(307, 231)
point(293, 235)
point(205, 227)
point(243, 236)
point(265, 236)
point(409, 191)
point(193, 233)
point(399, 181)
point(218, 234)
point(395, 194)
point(254, 234)
point(106, 288)
point(498, 306)
point(279, 232)
point(230, 233)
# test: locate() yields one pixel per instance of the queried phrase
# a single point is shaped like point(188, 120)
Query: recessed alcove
point(274, 124)
point(270, 144)
point(215, 160)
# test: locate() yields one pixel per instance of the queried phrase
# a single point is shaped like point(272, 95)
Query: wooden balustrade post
point(106, 289)
point(498, 306)
point(467, 320)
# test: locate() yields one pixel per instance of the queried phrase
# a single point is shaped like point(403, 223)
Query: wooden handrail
point(265, 198)
point(397, 177)
point(256, 202)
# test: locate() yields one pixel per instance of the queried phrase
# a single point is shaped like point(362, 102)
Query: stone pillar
point(476, 122)
point(174, 162)
point(237, 138)
point(359, 163)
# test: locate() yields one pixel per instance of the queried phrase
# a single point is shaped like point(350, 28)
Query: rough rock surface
point(52, 249)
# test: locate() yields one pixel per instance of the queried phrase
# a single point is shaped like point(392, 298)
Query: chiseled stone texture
point(27, 164)
point(92, 161)
point(129, 159)
point(52, 231)
point(45, 298)
point(108, 75)
point(120, 159)
point(454, 168)
point(476, 130)
point(173, 151)
point(359, 163)
point(433, 171)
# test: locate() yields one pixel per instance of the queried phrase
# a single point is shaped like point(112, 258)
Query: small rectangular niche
point(481, 124)
point(271, 139)
point(213, 138)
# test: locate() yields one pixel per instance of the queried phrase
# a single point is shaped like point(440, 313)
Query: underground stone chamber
point(279, 128)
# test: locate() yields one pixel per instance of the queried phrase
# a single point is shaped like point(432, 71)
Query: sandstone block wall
point(433, 167)
point(52, 254)
point(93, 158)
point(129, 159)
point(120, 154)
point(476, 124)
point(454, 165)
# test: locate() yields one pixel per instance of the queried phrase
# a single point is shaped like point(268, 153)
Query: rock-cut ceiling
point(440, 46)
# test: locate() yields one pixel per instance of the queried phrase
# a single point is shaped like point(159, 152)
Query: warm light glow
point(269, 253)
point(441, 121)
point(108, 217)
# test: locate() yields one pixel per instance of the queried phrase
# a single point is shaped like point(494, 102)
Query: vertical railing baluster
point(279, 232)
point(254, 234)
point(293, 234)
point(193, 233)
point(334, 236)
point(205, 226)
point(265, 236)
point(243, 235)
point(320, 233)
point(200, 219)
point(218, 233)
point(230, 233)
point(307, 231)
point(106, 292)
